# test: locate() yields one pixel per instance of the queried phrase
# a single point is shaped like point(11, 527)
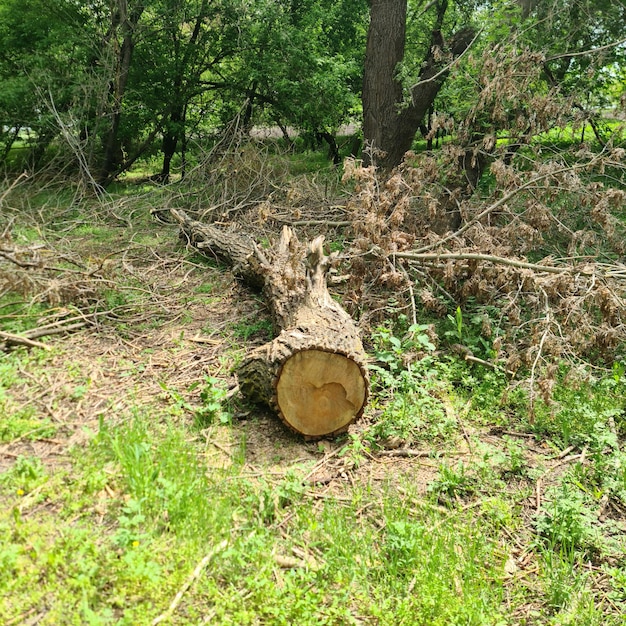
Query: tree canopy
point(117, 80)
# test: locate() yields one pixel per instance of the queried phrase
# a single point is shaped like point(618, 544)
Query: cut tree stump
point(314, 373)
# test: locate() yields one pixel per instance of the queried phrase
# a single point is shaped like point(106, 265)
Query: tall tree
point(186, 44)
point(120, 43)
point(390, 120)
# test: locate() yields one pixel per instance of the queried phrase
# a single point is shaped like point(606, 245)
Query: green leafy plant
point(26, 473)
point(392, 351)
point(130, 523)
point(456, 322)
point(355, 450)
point(452, 483)
point(244, 330)
point(567, 520)
point(213, 397)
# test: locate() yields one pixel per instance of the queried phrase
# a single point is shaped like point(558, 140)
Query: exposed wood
point(314, 373)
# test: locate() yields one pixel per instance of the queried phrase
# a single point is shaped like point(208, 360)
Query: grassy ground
point(136, 488)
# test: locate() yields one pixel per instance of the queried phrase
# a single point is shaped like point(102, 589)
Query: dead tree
point(314, 373)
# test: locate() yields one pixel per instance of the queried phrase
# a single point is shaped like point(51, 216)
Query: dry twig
point(190, 580)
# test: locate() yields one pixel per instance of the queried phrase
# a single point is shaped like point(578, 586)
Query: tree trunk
point(125, 22)
point(390, 124)
point(382, 92)
point(333, 148)
point(314, 373)
point(171, 134)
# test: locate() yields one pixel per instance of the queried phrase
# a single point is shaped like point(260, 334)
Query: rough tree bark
point(121, 37)
point(314, 373)
point(390, 124)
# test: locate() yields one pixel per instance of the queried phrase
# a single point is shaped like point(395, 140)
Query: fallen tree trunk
point(314, 373)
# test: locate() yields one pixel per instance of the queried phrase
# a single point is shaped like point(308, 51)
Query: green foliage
point(457, 324)
point(589, 415)
point(26, 474)
point(17, 316)
point(567, 521)
point(213, 397)
point(452, 483)
point(564, 585)
point(442, 571)
point(23, 422)
point(408, 388)
point(391, 350)
point(355, 450)
point(25, 425)
point(161, 476)
point(476, 331)
point(244, 330)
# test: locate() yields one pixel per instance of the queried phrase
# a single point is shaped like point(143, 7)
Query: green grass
point(126, 563)
point(19, 421)
point(111, 538)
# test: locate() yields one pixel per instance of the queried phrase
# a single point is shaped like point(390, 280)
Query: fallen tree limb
point(314, 373)
point(9, 339)
point(28, 338)
point(469, 256)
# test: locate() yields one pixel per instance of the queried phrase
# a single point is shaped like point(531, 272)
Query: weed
point(566, 522)
point(245, 330)
point(516, 463)
point(213, 397)
point(392, 351)
point(27, 472)
point(452, 483)
point(564, 580)
point(456, 322)
point(617, 576)
point(435, 576)
point(24, 424)
point(355, 451)
point(205, 288)
point(408, 387)
point(130, 523)
point(499, 513)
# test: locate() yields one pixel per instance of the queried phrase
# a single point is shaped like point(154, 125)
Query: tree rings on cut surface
point(314, 373)
point(320, 392)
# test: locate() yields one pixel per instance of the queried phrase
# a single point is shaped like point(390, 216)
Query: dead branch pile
point(35, 274)
point(544, 248)
point(47, 289)
point(34, 271)
point(256, 186)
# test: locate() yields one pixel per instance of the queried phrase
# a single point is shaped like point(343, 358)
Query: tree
point(185, 45)
point(43, 48)
point(109, 76)
point(119, 41)
point(300, 64)
point(531, 64)
point(390, 120)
